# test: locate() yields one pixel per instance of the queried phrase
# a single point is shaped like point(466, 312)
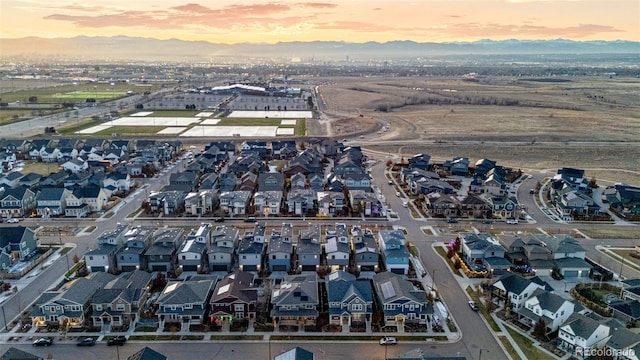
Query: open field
point(588, 122)
point(75, 93)
point(39, 168)
point(617, 233)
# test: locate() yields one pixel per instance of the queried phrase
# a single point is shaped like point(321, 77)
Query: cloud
point(501, 30)
point(318, 5)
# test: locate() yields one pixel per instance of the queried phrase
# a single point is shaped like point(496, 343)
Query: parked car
point(390, 182)
point(398, 193)
point(452, 220)
point(219, 220)
point(405, 204)
point(473, 305)
point(487, 221)
point(13, 220)
point(532, 191)
point(388, 340)
point(250, 219)
point(86, 342)
point(118, 340)
point(43, 342)
point(512, 221)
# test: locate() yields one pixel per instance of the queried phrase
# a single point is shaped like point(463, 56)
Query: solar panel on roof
point(387, 290)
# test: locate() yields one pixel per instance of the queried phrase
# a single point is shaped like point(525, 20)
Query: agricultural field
point(74, 93)
point(539, 123)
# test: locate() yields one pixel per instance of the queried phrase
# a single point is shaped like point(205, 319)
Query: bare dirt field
point(587, 122)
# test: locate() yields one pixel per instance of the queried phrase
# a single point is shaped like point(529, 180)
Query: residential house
point(300, 201)
point(162, 255)
point(222, 248)
point(441, 205)
point(234, 298)
point(210, 181)
point(248, 182)
point(280, 249)
point(350, 300)
point(184, 303)
point(17, 202)
point(102, 258)
point(517, 289)
point(580, 333)
point(86, 200)
point(298, 181)
point(147, 353)
point(457, 166)
point(51, 201)
point(70, 305)
point(31, 180)
point(267, 202)
point(167, 202)
point(252, 248)
point(121, 181)
point(192, 253)
point(316, 182)
point(75, 165)
point(55, 179)
point(337, 247)
point(201, 202)
point(505, 206)
point(120, 301)
point(132, 255)
point(624, 343)
point(422, 185)
point(364, 203)
point(183, 181)
point(357, 181)
point(235, 203)
point(309, 250)
point(419, 161)
point(395, 255)
point(402, 303)
point(81, 178)
point(330, 203)
point(482, 167)
point(297, 353)
point(553, 309)
point(473, 206)
point(482, 252)
point(11, 179)
point(624, 199)
point(296, 301)
point(271, 181)
point(50, 154)
point(16, 243)
point(366, 250)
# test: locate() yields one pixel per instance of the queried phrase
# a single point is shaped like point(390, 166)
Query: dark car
point(118, 340)
point(452, 220)
point(86, 342)
point(43, 342)
point(220, 219)
point(250, 219)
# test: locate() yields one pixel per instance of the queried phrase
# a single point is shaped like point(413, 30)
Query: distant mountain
point(121, 48)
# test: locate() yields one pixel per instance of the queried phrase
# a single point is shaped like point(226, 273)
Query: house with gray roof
point(184, 303)
point(222, 249)
point(624, 342)
point(581, 332)
point(395, 255)
point(234, 298)
point(365, 249)
point(192, 254)
point(166, 202)
point(102, 257)
point(300, 201)
point(337, 247)
point(147, 353)
point(17, 202)
point(235, 203)
point(251, 249)
point(120, 301)
point(271, 181)
point(131, 256)
point(16, 354)
point(297, 353)
point(51, 201)
point(482, 252)
point(280, 249)
point(68, 306)
point(309, 250)
point(267, 202)
point(402, 303)
point(350, 300)
point(330, 203)
point(517, 288)
point(295, 302)
point(16, 243)
point(162, 255)
point(553, 309)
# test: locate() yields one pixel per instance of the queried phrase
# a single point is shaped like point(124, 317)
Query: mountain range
point(125, 48)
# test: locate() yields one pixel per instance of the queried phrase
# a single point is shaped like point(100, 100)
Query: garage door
point(570, 273)
point(250, 268)
point(97, 268)
point(308, 268)
point(219, 268)
point(397, 271)
point(159, 268)
point(279, 267)
point(367, 268)
point(190, 268)
point(128, 267)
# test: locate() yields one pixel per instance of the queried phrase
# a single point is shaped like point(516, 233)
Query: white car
point(13, 221)
point(388, 340)
point(405, 204)
point(512, 221)
point(398, 193)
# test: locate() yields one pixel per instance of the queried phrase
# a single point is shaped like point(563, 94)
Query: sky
point(223, 21)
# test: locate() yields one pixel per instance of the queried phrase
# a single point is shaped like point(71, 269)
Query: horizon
point(350, 21)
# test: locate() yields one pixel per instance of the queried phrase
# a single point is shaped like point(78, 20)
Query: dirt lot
point(588, 122)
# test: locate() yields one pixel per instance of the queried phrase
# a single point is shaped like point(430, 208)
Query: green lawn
point(527, 347)
point(483, 309)
point(443, 254)
point(75, 93)
point(510, 349)
point(129, 130)
point(170, 113)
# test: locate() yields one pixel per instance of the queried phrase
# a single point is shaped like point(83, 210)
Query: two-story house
point(17, 202)
point(162, 255)
point(553, 309)
point(395, 255)
point(234, 298)
point(222, 249)
point(337, 247)
point(300, 201)
point(580, 333)
point(350, 300)
point(103, 257)
point(251, 249)
point(280, 249)
point(136, 241)
point(517, 289)
point(51, 201)
point(235, 202)
point(309, 250)
point(402, 303)
point(16, 243)
point(192, 252)
point(184, 303)
point(267, 202)
point(365, 248)
point(296, 301)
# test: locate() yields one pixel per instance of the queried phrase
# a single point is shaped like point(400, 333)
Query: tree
point(76, 258)
point(540, 329)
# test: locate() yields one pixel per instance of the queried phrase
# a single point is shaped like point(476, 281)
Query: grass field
point(75, 93)
point(510, 349)
point(615, 233)
point(130, 130)
point(527, 347)
point(39, 168)
point(168, 113)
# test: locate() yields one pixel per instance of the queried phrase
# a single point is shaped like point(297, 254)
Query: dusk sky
point(223, 21)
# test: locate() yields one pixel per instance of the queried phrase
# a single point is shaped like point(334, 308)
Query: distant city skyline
point(231, 22)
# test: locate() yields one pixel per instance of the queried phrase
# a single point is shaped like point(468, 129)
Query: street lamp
point(481, 350)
